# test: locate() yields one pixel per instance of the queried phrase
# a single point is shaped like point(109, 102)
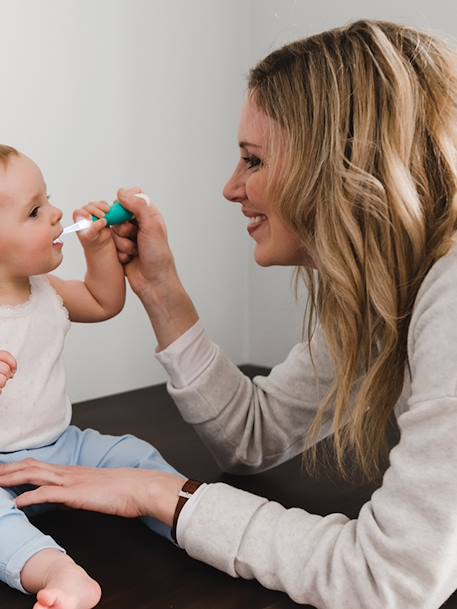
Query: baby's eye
point(34, 212)
point(252, 161)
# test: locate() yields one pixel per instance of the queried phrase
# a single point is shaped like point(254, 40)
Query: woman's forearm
point(170, 310)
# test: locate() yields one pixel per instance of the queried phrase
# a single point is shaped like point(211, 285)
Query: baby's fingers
point(6, 371)
point(95, 208)
point(3, 380)
point(78, 214)
point(7, 358)
point(96, 227)
point(91, 234)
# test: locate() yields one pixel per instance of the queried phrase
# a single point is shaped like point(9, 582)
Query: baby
point(35, 313)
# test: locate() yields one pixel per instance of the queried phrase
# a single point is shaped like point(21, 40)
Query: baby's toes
point(46, 599)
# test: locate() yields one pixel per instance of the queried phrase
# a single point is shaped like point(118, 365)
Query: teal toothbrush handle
point(116, 215)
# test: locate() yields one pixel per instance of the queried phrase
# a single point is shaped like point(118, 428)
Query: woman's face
point(276, 244)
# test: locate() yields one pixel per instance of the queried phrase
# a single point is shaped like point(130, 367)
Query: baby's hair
point(6, 152)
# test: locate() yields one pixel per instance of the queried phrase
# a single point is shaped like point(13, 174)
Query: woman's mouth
point(255, 222)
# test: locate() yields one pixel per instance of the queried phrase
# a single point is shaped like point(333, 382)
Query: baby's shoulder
point(46, 294)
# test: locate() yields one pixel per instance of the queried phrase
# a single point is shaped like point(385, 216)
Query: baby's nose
point(57, 214)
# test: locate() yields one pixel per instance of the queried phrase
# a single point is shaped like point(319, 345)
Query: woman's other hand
point(150, 269)
point(124, 492)
point(143, 246)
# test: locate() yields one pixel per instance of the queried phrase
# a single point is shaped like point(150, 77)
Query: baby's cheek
point(43, 242)
point(39, 247)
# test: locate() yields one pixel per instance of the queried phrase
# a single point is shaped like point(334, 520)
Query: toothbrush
point(116, 215)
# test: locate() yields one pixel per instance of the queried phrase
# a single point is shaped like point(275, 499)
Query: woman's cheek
point(255, 188)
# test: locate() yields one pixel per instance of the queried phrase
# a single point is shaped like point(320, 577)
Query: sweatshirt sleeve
point(251, 425)
point(401, 550)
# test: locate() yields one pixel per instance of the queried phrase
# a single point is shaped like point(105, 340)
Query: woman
point(348, 172)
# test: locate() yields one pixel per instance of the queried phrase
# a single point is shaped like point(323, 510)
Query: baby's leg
point(98, 450)
point(25, 558)
point(59, 582)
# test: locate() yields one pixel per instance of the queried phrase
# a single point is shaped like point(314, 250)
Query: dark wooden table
point(139, 570)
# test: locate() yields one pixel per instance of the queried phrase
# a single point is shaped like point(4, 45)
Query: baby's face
point(28, 221)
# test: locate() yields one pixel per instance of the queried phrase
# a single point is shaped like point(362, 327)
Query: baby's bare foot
point(69, 587)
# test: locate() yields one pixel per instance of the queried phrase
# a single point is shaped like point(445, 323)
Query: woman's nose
point(234, 190)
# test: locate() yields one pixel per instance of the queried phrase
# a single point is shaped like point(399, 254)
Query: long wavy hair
point(362, 164)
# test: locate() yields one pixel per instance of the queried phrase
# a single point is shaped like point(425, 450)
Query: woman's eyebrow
point(245, 144)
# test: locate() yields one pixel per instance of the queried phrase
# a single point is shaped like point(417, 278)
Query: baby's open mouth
point(58, 240)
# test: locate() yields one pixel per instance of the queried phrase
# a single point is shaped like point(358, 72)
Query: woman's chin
point(262, 258)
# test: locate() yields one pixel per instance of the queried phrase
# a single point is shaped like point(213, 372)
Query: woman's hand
point(143, 246)
point(151, 271)
point(124, 492)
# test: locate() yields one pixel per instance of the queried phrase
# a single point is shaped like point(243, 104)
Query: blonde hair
point(363, 166)
point(6, 152)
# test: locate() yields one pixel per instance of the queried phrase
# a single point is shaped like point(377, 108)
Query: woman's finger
point(125, 246)
point(10, 468)
point(126, 229)
point(30, 475)
point(124, 258)
point(126, 192)
point(45, 494)
point(145, 212)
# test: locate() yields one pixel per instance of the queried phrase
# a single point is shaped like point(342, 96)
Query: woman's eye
point(251, 161)
point(34, 212)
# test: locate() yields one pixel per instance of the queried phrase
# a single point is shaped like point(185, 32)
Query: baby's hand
point(98, 233)
point(8, 367)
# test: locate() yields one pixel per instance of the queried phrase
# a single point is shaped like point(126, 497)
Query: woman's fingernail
point(145, 198)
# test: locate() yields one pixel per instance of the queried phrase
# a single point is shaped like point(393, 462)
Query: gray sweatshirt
point(401, 551)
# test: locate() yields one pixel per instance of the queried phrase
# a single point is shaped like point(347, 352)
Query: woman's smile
point(255, 223)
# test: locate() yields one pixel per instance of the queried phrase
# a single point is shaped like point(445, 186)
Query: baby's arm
point(102, 293)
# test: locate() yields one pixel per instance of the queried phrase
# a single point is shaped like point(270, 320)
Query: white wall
point(147, 92)
point(274, 320)
point(135, 92)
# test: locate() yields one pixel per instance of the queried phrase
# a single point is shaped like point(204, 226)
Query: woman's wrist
point(162, 497)
point(170, 310)
point(188, 489)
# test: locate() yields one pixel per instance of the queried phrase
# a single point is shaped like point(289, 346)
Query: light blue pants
point(19, 539)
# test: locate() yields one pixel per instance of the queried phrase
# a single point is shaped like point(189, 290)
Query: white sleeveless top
point(34, 407)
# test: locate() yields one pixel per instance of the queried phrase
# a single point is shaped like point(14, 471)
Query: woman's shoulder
point(434, 313)
point(432, 335)
point(441, 280)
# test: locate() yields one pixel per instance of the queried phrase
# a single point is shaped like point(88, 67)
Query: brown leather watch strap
point(188, 489)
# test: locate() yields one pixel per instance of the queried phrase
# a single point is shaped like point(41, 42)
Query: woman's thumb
point(137, 203)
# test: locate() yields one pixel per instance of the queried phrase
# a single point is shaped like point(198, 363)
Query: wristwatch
point(188, 489)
